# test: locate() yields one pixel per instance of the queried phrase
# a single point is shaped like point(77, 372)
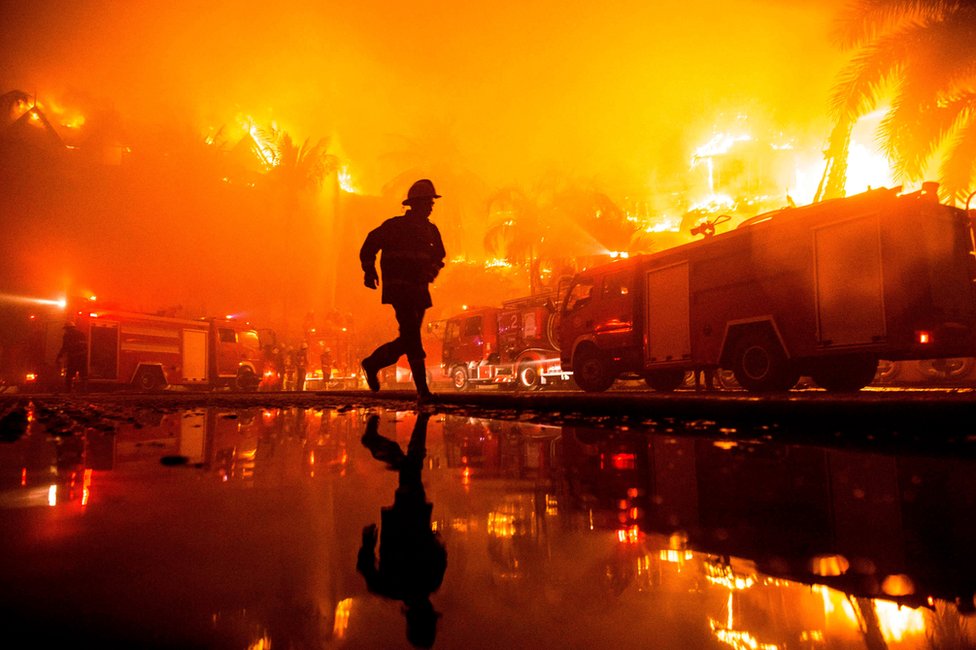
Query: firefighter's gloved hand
point(371, 280)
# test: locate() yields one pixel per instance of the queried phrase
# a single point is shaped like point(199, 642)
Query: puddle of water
point(240, 528)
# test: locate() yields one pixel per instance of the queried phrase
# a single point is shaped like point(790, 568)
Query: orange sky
point(615, 95)
point(614, 91)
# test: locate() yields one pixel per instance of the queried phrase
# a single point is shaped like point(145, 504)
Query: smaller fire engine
point(151, 352)
point(514, 346)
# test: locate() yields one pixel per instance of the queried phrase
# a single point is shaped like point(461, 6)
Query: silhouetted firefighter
point(412, 256)
point(412, 558)
point(74, 351)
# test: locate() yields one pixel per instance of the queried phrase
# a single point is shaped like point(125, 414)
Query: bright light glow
point(263, 643)
point(497, 262)
point(501, 524)
point(52, 495)
point(715, 203)
point(86, 487)
point(629, 535)
point(721, 143)
point(346, 182)
point(899, 622)
point(662, 223)
point(866, 168)
point(829, 565)
point(61, 303)
point(923, 337)
point(342, 612)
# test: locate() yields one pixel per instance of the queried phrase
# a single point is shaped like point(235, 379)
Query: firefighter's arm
point(367, 259)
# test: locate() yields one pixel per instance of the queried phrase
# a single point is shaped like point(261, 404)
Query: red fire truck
point(515, 346)
point(823, 291)
point(150, 352)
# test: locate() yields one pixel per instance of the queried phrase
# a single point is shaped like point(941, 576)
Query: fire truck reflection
point(523, 455)
point(252, 445)
point(499, 449)
point(783, 544)
point(55, 466)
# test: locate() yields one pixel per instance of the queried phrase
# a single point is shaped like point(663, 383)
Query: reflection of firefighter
point(74, 351)
point(412, 558)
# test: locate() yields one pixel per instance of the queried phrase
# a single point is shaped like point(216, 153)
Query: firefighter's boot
point(419, 371)
point(369, 372)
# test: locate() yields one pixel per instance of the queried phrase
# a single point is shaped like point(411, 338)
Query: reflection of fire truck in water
point(151, 352)
point(515, 345)
point(825, 291)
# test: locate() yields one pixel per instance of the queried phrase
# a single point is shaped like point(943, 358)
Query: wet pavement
point(237, 522)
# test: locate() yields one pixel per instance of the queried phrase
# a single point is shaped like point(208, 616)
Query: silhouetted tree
point(925, 51)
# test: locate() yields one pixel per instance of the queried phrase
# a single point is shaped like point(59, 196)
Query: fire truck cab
point(514, 346)
point(824, 291)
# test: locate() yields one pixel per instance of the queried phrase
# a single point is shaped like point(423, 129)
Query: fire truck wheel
point(726, 379)
point(528, 377)
point(665, 381)
point(592, 370)
point(760, 365)
point(845, 375)
point(459, 378)
point(149, 379)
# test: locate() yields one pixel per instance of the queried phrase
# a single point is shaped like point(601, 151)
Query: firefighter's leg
point(411, 321)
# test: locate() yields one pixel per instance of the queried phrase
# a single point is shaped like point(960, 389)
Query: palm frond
point(863, 22)
point(866, 79)
point(959, 165)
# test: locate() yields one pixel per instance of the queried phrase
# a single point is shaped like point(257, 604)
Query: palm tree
point(296, 176)
point(560, 220)
point(925, 53)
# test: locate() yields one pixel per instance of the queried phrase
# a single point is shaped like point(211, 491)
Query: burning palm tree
point(924, 54)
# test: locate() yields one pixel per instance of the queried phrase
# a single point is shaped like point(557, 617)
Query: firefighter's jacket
point(74, 346)
point(413, 255)
point(412, 559)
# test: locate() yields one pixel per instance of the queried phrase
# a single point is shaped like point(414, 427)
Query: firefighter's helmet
point(422, 189)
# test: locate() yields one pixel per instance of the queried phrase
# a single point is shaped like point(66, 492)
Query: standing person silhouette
point(412, 558)
point(74, 351)
point(412, 256)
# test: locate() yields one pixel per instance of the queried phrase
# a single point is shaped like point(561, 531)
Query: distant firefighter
point(74, 351)
point(301, 366)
